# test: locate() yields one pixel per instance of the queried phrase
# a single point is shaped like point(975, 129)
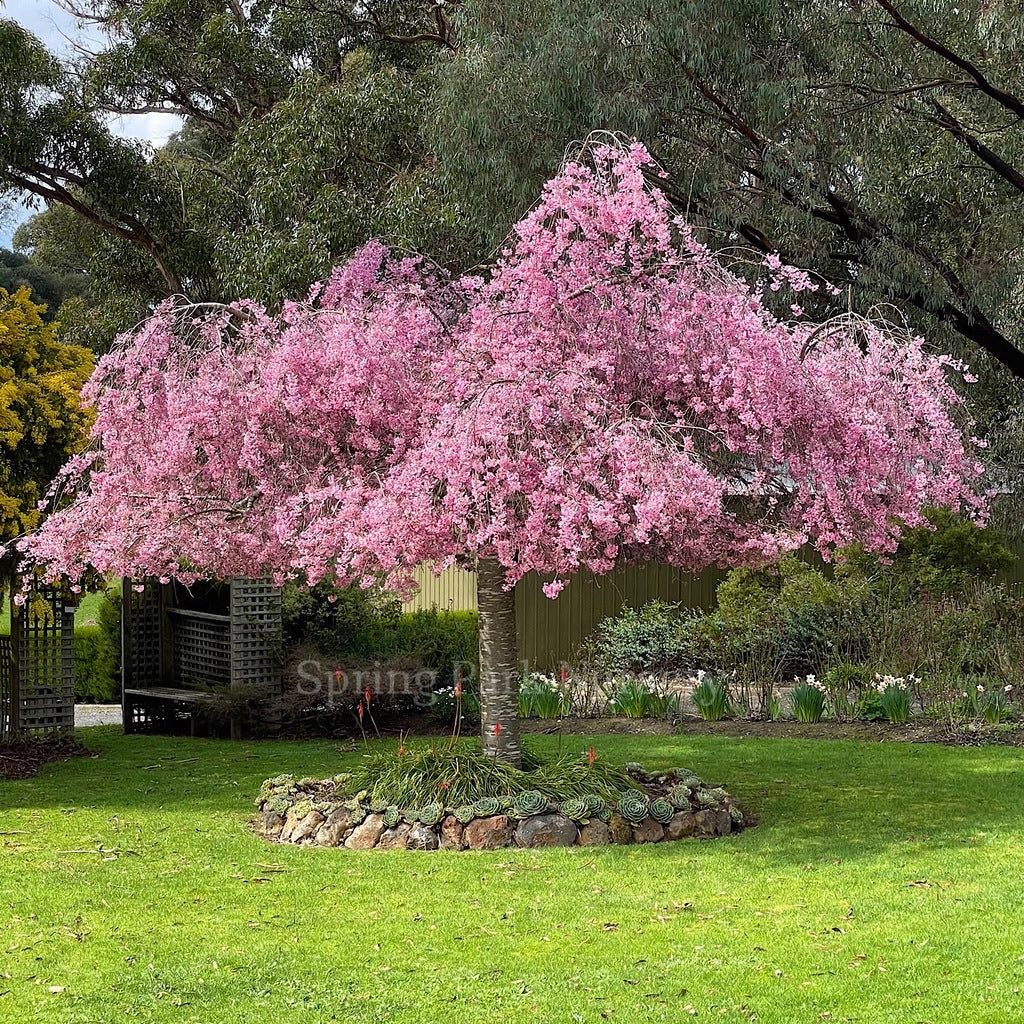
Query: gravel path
point(97, 714)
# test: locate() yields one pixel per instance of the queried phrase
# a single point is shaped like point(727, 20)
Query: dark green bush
point(658, 637)
point(370, 624)
point(98, 656)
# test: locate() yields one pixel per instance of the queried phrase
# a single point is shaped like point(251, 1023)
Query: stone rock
point(396, 838)
point(649, 831)
point(291, 819)
point(270, 824)
point(706, 821)
point(421, 838)
point(452, 834)
point(682, 825)
point(723, 823)
point(365, 835)
point(489, 833)
point(332, 832)
point(621, 830)
point(306, 828)
point(595, 833)
point(546, 830)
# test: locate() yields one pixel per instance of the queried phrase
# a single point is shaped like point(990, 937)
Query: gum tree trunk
point(499, 669)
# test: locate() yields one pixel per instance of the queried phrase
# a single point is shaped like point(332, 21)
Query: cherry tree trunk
point(499, 669)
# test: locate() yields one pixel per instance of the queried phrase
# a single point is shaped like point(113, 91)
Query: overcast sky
point(59, 31)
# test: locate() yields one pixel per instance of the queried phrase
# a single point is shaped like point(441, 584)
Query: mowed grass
point(885, 883)
point(86, 615)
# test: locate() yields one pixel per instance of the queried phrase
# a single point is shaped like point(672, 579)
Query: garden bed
point(661, 806)
point(24, 758)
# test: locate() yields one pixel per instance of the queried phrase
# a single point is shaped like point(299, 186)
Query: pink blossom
point(607, 392)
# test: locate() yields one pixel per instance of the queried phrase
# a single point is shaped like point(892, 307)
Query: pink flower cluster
point(606, 392)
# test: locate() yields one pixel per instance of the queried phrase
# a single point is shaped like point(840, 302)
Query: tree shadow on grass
point(815, 800)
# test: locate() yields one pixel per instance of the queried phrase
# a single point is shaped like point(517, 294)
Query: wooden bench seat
point(190, 700)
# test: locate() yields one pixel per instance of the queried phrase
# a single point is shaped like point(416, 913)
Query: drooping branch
point(1001, 96)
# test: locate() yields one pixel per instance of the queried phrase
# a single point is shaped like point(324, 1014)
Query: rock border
point(664, 807)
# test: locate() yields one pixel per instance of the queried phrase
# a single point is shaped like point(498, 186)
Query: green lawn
point(88, 610)
point(885, 883)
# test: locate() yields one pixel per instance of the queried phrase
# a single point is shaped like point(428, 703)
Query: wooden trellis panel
point(175, 656)
point(37, 689)
point(256, 634)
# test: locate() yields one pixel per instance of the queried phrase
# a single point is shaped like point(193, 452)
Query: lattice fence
point(176, 654)
point(37, 692)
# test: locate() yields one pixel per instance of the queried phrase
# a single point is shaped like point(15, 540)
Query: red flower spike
point(591, 755)
point(565, 674)
point(458, 687)
point(497, 728)
point(368, 693)
point(360, 709)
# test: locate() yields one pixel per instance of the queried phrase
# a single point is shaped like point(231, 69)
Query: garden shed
point(186, 649)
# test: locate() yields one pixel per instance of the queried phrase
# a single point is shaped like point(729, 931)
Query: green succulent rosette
point(661, 811)
point(527, 804)
point(392, 816)
point(576, 809)
point(680, 796)
point(466, 813)
point(431, 814)
point(633, 806)
point(487, 807)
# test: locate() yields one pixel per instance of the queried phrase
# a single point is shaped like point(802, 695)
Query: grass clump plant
point(710, 698)
point(459, 774)
point(808, 699)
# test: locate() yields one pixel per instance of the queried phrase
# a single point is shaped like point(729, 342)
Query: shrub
point(710, 698)
point(98, 655)
point(808, 699)
point(350, 622)
point(655, 638)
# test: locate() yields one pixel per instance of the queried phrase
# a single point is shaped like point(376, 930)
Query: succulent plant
point(680, 796)
point(577, 809)
point(719, 794)
point(487, 807)
point(411, 815)
point(341, 781)
point(736, 814)
point(531, 802)
point(363, 796)
point(505, 802)
point(596, 806)
point(706, 798)
point(634, 768)
point(431, 814)
point(466, 813)
point(378, 806)
point(661, 811)
point(392, 816)
point(633, 806)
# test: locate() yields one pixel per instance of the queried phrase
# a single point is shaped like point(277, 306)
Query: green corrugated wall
point(551, 630)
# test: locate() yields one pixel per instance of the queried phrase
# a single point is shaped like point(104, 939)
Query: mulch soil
point(23, 758)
